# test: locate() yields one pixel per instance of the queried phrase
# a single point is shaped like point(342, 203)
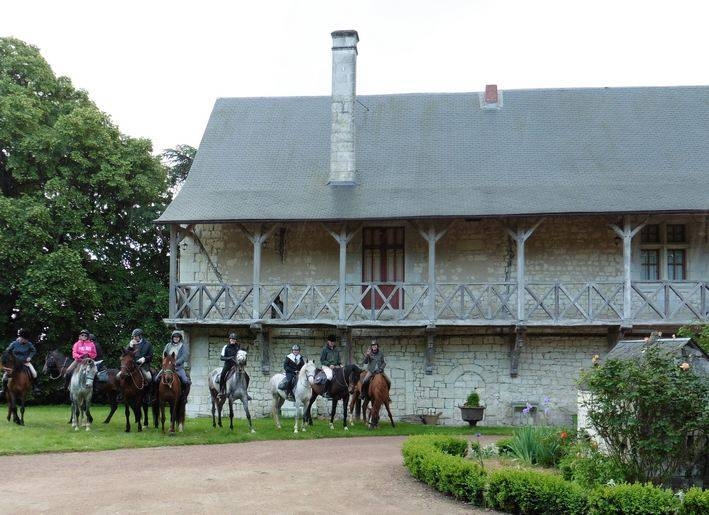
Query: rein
point(62, 369)
point(131, 375)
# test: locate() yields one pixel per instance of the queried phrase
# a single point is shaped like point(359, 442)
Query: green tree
point(650, 412)
point(178, 161)
point(77, 201)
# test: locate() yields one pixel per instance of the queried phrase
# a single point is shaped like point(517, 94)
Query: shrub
point(636, 498)
point(439, 461)
point(473, 400)
point(589, 467)
point(532, 492)
point(645, 410)
point(538, 445)
point(695, 502)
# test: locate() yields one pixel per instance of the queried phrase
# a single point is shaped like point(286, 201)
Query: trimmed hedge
point(439, 461)
point(529, 491)
point(636, 498)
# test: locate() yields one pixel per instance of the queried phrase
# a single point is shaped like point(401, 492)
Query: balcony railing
point(544, 303)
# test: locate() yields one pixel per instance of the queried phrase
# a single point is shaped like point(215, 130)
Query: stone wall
point(548, 368)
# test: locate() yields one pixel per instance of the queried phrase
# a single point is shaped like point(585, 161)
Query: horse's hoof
point(347, 428)
point(252, 430)
point(332, 426)
point(76, 428)
point(88, 429)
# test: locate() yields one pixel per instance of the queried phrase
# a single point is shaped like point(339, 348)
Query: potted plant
point(472, 411)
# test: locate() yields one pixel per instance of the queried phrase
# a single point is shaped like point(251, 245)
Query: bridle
point(131, 374)
point(61, 370)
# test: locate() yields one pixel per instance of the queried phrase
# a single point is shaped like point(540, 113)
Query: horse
point(357, 411)
point(302, 392)
point(378, 394)
point(169, 392)
point(55, 365)
point(339, 390)
point(18, 386)
point(134, 389)
point(80, 394)
point(235, 389)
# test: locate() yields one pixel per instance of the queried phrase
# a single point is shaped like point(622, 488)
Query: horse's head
point(352, 374)
point(127, 361)
point(308, 370)
point(168, 361)
point(241, 355)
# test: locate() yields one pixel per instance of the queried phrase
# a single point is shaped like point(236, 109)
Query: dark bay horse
point(357, 411)
point(134, 389)
point(18, 386)
point(339, 389)
point(378, 394)
point(169, 392)
point(56, 363)
point(236, 388)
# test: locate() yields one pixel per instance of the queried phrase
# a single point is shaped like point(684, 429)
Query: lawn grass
point(46, 430)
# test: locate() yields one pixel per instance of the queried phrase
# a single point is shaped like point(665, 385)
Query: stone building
point(493, 240)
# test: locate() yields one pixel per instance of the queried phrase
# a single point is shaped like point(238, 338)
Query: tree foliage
point(77, 201)
point(650, 412)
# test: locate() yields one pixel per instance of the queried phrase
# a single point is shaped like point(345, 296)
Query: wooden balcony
point(467, 304)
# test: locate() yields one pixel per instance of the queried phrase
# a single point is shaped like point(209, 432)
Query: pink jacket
point(82, 348)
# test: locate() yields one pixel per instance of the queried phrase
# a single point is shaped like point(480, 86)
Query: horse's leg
point(391, 419)
point(214, 407)
point(137, 413)
point(173, 416)
point(22, 411)
point(89, 418)
point(374, 413)
point(231, 412)
point(307, 417)
point(126, 403)
point(298, 406)
point(220, 406)
point(333, 409)
point(245, 404)
point(345, 401)
point(161, 406)
point(275, 408)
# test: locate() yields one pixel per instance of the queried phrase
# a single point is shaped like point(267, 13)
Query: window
point(663, 252)
point(383, 262)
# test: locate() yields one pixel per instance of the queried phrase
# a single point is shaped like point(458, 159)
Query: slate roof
point(561, 151)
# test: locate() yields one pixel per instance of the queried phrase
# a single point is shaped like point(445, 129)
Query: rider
point(177, 347)
point(329, 358)
point(23, 350)
point(83, 348)
point(142, 353)
point(374, 359)
point(228, 356)
point(292, 365)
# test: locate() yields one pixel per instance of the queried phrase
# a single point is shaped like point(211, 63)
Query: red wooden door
point(383, 264)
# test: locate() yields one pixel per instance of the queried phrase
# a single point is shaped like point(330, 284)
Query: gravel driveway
point(353, 475)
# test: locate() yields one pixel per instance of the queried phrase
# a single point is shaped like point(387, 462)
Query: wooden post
point(627, 233)
point(343, 238)
point(520, 236)
point(431, 237)
point(257, 238)
point(172, 308)
point(263, 341)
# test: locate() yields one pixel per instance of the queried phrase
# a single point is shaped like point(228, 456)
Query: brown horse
point(56, 363)
point(134, 388)
point(378, 394)
point(357, 411)
point(18, 386)
point(170, 393)
point(339, 390)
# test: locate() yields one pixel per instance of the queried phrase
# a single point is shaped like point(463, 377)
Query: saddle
point(320, 376)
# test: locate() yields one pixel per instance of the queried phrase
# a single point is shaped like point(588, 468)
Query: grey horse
point(235, 389)
point(80, 390)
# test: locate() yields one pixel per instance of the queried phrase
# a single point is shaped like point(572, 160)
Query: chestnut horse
point(339, 390)
point(18, 386)
point(134, 388)
point(56, 363)
point(170, 393)
point(378, 394)
point(357, 411)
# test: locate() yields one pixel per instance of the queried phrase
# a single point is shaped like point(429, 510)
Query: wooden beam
point(342, 237)
point(431, 235)
point(516, 350)
point(258, 237)
point(520, 236)
point(172, 308)
point(263, 340)
point(627, 233)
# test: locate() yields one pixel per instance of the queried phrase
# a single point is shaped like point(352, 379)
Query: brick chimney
point(342, 132)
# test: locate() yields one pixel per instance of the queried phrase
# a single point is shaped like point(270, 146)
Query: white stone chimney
point(342, 132)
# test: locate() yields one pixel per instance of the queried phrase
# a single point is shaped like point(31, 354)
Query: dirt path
point(355, 475)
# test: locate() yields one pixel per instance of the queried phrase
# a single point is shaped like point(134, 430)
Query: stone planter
point(472, 415)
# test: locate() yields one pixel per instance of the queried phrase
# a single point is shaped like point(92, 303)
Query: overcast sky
point(158, 66)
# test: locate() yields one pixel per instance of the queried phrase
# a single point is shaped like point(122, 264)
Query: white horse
point(302, 391)
point(235, 389)
point(81, 389)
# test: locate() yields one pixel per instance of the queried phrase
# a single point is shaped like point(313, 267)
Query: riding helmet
point(295, 347)
point(232, 336)
point(84, 331)
point(331, 338)
point(374, 342)
point(23, 333)
point(176, 333)
point(137, 332)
